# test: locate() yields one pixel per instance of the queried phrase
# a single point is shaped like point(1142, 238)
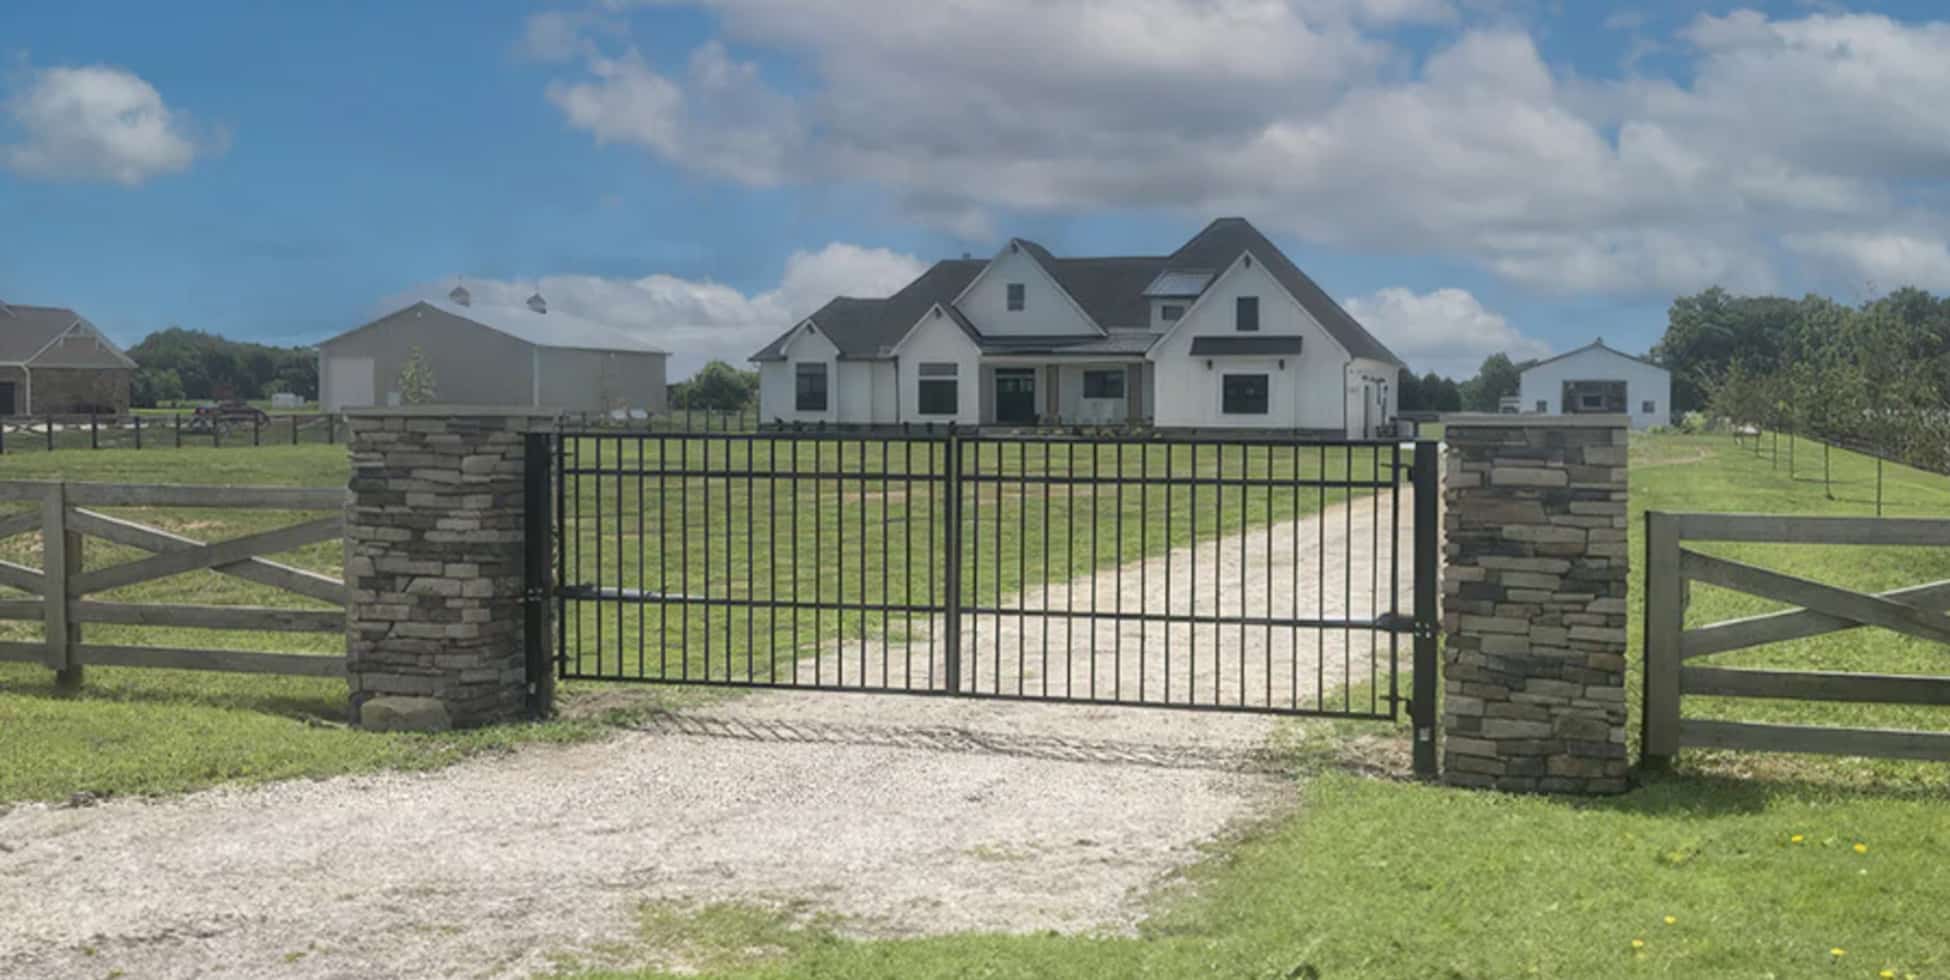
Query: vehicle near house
point(1224, 333)
point(54, 362)
point(227, 415)
point(1596, 379)
point(493, 354)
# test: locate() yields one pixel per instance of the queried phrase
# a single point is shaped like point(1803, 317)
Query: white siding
point(1371, 394)
point(1046, 308)
point(938, 340)
point(1643, 382)
point(1308, 394)
point(1076, 408)
point(777, 387)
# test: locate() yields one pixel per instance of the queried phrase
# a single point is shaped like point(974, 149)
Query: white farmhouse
point(1223, 333)
point(1597, 379)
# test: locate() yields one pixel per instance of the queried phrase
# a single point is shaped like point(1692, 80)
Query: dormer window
point(1017, 297)
point(1170, 312)
point(1246, 314)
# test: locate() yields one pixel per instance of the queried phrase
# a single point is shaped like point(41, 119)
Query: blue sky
point(1467, 175)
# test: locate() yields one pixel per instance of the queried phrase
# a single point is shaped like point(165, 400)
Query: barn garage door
point(348, 382)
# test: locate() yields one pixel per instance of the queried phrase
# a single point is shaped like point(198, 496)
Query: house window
point(939, 391)
point(811, 388)
point(1591, 401)
point(1016, 297)
point(1170, 312)
point(1103, 384)
point(1543, 407)
point(1245, 394)
point(1647, 408)
point(1246, 312)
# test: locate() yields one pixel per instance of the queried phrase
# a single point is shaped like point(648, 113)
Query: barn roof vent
point(537, 303)
point(460, 296)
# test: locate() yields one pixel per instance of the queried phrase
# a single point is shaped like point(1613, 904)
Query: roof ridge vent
point(537, 303)
point(461, 296)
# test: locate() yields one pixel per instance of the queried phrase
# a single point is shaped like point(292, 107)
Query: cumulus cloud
point(1306, 116)
point(1875, 263)
point(97, 122)
point(1447, 331)
point(698, 320)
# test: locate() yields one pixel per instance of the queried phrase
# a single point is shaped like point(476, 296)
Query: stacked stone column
point(1534, 594)
point(435, 566)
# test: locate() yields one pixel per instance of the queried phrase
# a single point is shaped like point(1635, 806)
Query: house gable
point(1048, 309)
point(935, 340)
point(80, 346)
point(1280, 314)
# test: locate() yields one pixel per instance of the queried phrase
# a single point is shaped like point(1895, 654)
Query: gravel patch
point(900, 815)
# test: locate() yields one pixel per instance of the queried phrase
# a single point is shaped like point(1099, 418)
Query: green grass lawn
point(1754, 858)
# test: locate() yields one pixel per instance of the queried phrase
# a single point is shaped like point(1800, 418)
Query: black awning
point(1222, 346)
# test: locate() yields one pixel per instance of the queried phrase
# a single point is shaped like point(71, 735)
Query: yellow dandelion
point(1837, 951)
point(1796, 839)
point(1638, 944)
point(1861, 848)
point(1672, 920)
point(1887, 975)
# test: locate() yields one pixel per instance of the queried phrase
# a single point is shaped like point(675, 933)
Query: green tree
point(417, 385)
point(717, 387)
point(152, 387)
point(1497, 378)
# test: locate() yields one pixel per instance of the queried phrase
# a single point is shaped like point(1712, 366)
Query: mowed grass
point(1766, 866)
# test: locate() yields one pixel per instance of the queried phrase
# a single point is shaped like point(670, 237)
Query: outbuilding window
point(811, 388)
point(1543, 407)
point(1017, 297)
point(939, 391)
point(1246, 313)
point(1245, 394)
point(1103, 384)
point(1647, 408)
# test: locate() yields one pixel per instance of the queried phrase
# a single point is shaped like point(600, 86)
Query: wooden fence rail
point(1917, 611)
point(57, 592)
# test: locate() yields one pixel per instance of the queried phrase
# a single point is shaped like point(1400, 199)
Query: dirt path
point(902, 815)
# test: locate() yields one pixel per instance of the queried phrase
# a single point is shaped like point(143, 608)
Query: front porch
point(1029, 391)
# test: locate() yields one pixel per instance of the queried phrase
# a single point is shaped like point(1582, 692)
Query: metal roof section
point(1179, 283)
point(1244, 346)
point(1599, 345)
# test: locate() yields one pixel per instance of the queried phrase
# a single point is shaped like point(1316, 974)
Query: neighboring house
point(1597, 379)
point(54, 362)
point(1223, 333)
point(493, 355)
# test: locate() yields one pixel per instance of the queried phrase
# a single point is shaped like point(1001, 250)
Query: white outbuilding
point(1595, 379)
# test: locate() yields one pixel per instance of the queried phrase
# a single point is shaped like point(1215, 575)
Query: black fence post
point(294, 428)
point(951, 556)
point(537, 531)
point(1422, 703)
point(179, 429)
point(94, 431)
point(50, 433)
point(138, 430)
point(257, 430)
point(331, 428)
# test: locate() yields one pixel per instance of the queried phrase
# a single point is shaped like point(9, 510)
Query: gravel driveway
point(900, 815)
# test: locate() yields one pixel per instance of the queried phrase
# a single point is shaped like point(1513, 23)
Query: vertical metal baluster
point(1047, 478)
point(1000, 467)
point(598, 605)
point(1022, 564)
point(684, 556)
point(1245, 537)
point(1144, 557)
point(619, 556)
point(861, 471)
point(1347, 580)
point(1293, 636)
point(704, 534)
point(886, 485)
point(1070, 574)
point(663, 559)
point(974, 556)
point(796, 574)
point(819, 576)
point(771, 559)
point(907, 562)
point(642, 586)
point(1191, 625)
point(1117, 551)
point(1374, 566)
point(1394, 574)
point(1320, 593)
point(1096, 508)
point(935, 504)
point(730, 556)
point(751, 564)
point(1169, 611)
point(1269, 575)
point(1218, 571)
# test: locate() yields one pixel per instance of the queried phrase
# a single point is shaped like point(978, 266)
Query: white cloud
point(1445, 330)
point(699, 320)
point(96, 123)
point(1304, 116)
point(1875, 263)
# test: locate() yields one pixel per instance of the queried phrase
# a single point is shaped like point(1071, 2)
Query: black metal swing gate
point(1232, 574)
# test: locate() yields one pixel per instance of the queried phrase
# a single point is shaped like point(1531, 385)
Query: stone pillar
point(434, 566)
point(1534, 603)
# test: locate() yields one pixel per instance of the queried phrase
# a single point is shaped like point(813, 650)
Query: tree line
point(177, 364)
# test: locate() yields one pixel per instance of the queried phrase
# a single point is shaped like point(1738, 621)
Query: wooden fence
point(46, 433)
point(58, 591)
point(1670, 647)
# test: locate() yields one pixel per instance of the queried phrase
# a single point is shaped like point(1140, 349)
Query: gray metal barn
point(484, 354)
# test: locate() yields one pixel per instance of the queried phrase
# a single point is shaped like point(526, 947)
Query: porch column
point(1054, 401)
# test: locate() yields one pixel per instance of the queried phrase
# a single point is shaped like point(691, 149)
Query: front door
point(7, 406)
point(1015, 396)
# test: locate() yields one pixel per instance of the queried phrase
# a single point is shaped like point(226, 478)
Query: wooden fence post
point(1665, 620)
point(60, 563)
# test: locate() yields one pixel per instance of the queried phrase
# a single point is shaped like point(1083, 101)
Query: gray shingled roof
point(26, 330)
point(1221, 243)
point(1110, 290)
